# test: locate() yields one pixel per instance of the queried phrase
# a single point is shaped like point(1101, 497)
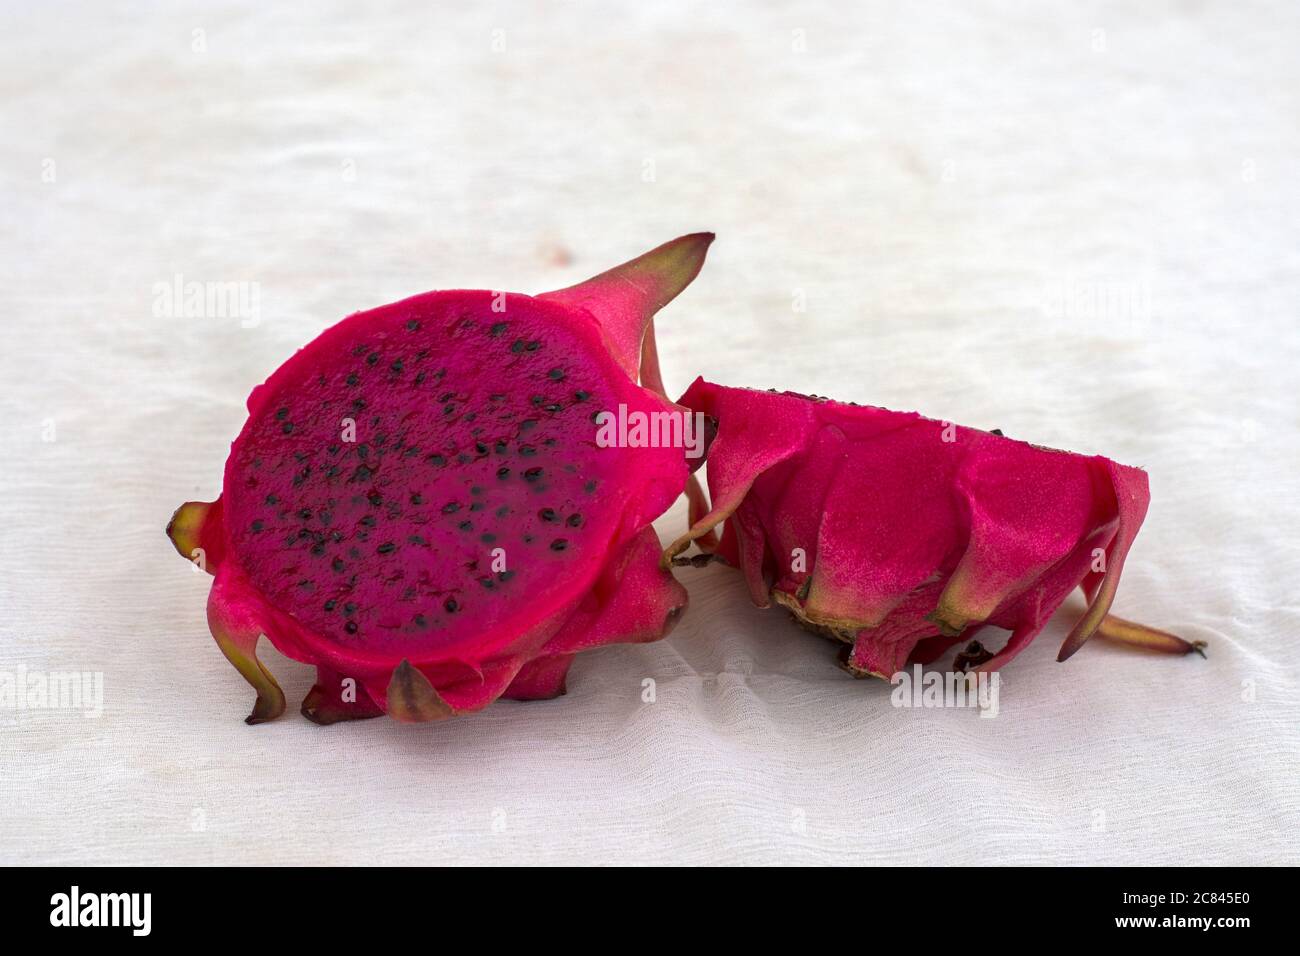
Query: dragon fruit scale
point(902, 536)
point(417, 504)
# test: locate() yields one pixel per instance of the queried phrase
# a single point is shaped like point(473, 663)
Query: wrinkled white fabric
point(1076, 222)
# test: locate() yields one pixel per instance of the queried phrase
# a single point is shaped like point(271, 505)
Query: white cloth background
point(1076, 222)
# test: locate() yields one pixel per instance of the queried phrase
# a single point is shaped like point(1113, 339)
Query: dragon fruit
point(902, 536)
point(418, 505)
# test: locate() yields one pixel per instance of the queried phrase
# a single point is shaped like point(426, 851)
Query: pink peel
point(903, 536)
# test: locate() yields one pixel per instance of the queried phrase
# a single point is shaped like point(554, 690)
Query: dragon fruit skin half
point(417, 504)
point(903, 536)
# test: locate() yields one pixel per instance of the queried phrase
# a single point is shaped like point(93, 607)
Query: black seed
point(272, 500)
point(517, 346)
point(547, 514)
point(533, 346)
point(559, 544)
point(257, 525)
point(412, 326)
point(487, 582)
point(416, 539)
point(351, 627)
point(463, 458)
point(363, 451)
point(353, 378)
point(449, 408)
point(532, 474)
point(336, 536)
point(503, 473)
point(420, 620)
point(360, 349)
point(595, 417)
point(332, 471)
point(451, 605)
point(581, 396)
point(528, 424)
point(436, 460)
point(282, 413)
point(317, 549)
point(375, 498)
point(537, 399)
point(528, 539)
point(368, 521)
point(419, 379)
point(481, 448)
point(372, 358)
point(505, 575)
point(303, 533)
point(417, 499)
point(497, 329)
point(337, 564)
point(349, 609)
point(362, 473)
point(331, 604)
point(408, 593)
point(326, 517)
point(488, 538)
point(528, 451)
point(497, 397)
point(502, 447)
point(287, 427)
point(574, 520)
point(386, 548)
point(397, 365)
point(451, 507)
point(589, 487)
point(556, 375)
point(358, 403)
point(466, 526)
point(552, 408)
point(503, 511)
point(477, 506)
point(476, 490)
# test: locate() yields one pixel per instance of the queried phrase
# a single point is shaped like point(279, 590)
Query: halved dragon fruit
point(418, 504)
point(902, 536)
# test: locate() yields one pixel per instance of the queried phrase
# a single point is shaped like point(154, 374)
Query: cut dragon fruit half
point(902, 536)
point(417, 504)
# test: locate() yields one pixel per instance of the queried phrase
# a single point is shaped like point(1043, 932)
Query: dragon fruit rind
point(902, 536)
point(417, 504)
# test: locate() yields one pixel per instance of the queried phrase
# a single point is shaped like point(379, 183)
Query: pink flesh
point(476, 433)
